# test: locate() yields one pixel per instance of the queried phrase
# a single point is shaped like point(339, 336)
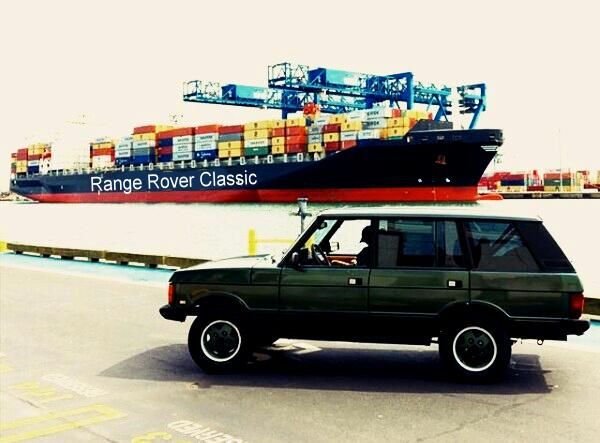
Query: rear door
point(420, 269)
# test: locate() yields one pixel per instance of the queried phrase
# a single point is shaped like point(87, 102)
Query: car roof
point(428, 211)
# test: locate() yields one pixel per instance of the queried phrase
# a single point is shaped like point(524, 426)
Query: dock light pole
point(302, 212)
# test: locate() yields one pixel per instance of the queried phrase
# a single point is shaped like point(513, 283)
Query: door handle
point(353, 281)
point(454, 284)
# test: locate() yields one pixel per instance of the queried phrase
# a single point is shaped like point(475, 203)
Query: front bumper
point(548, 329)
point(171, 313)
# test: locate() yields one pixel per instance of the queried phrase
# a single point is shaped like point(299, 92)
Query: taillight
point(576, 302)
point(171, 293)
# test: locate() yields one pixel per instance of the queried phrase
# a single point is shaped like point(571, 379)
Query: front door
point(325, 293)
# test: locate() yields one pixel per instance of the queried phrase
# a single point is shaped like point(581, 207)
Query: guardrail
point(123, 258)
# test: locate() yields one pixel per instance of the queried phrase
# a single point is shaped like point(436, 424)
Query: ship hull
point(429, 166)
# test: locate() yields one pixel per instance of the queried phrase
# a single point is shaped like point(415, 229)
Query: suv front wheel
point(217, 342)
point(475, 351)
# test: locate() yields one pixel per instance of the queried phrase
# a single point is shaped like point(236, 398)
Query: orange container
point(332, 146)
point(207, 129)
point(348, 144)
point(278, 132)
point(295, 130)
point(295, 139)
point(295, 148)
point(177, 132)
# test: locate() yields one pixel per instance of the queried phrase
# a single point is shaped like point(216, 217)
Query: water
point(214, 231)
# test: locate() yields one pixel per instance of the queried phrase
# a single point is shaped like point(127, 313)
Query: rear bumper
point(171, 313)
point(548, 329)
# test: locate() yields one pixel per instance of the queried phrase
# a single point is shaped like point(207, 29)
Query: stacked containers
point(34, 155)
point(22, 154)
point(257, 137)
point(206, 141)
point(230, 141)
point(397, 127)
point(315, 138)
point(102, 152)
point(555, 179)
point(183, 144)
point(516, 182)
point(144, 144)
point(13, 163)
point(331, 133)
point(124, 151)
point(278, 137)
point(295, 135)
point(349, 132)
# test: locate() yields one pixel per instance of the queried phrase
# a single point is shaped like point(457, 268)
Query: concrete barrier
point(123, 258)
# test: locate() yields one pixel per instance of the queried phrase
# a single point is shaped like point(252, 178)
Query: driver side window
point(337, 242)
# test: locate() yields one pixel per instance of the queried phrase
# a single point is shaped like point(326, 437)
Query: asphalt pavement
point(85, 356)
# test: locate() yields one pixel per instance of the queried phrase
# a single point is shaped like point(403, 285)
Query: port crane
point(293, 86)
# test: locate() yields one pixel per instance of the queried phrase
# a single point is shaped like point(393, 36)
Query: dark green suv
point(470, 281)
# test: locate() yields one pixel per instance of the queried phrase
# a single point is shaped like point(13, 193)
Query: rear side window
point(544, 248)
point(498, 246)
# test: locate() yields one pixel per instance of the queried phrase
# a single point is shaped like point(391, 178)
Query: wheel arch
point(477, 309)
point(219, 300)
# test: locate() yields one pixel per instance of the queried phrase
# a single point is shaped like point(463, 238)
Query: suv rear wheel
point(476, 351)
point(217, 342)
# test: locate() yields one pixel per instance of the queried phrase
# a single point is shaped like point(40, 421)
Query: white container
point(321, 120)
point(209, 145)
point(182, 156)
point(315, 138)
point(369, 134)
point(315, 130)
point(375, 123)
point(183, 139)
point(257, 143)
point(208, 137)
point(183, 147)
point(127, 138)
point(123, 152)
point(138, 144)
point(103, 140)
point(348, 136)
point(356, 115)
point(124, 144)
point(33, 163)
point(378, 113)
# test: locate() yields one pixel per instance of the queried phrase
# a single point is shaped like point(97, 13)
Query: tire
point(475, 351)
point(218, 343)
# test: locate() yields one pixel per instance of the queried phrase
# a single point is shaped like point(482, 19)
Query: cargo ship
point(348, 141)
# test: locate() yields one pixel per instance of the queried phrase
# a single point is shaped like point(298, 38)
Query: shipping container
point(145, 136)
point(183, 147)
point(278, 141)
point(296, 130)
point(331, 137)
point(257, 143)
point(278, 149)
point(256, 151)
point(227, 153)
point(182, 156)
point(348, 144)
point(377, 123)
point(332, 146)
point(207, 129)
point(231, 145)
point(139, 144)
point(347, 136)
point(337, 119)
point(378, 113)
point(206, 137)
point(295, 148)
point(300, 121)
point(262, 124)
point(315, 138)
point(206, 146)
point(257, 133)
point(232, 129)
point(231, 137)
point(183, 140)
point(205, 155)
point(315, 147)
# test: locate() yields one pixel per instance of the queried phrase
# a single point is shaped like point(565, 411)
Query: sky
point(114, 65)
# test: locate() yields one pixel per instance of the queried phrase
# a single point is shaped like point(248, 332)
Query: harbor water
point(213, 231)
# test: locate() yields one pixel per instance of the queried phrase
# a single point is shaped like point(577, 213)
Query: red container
point(295, 139)
point(278, 132)
point(535, 188)
point(295, 148)
point(347, 144)
point(34, 157)
point(295, 130)
point(207, 129)
point(177, 132)
point(144, 129)
point(396, 112)
point(333, 127)
point(165, 150)
point(233, 129)
point(104, 151)
point(332, 146)
point(412, 122)
point(22, 154)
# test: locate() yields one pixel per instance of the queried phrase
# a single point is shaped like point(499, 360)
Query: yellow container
point(278, 141)
point(258, 133)
point(352, 126)
point(278, 123)
point(411, 113)
point(226, 153)
point(102, 145)
point(331, 137)
point(278, 149)
point(338, 118)
point(229, 145)
point(21, 164)
point(398, 122)
point(145, 136)
point(397, 132)
point(295, 122)
point(315, 147)
point(262, 124)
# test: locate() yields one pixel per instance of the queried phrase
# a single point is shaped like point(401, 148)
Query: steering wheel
point(319, 256)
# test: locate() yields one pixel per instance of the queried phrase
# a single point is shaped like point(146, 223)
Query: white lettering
point(252, 179)
point(152, 181)
point(137, 184)
point(96, 182)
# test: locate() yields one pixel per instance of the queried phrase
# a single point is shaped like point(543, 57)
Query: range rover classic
point(471, 282)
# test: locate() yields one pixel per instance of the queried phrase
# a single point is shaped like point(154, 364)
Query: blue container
point(205, 155)
point(33, 169)
point(123, 161)
point(163, 142)
point(243, 92)
point(165, 158)
point(512, 182)
point(142, 159)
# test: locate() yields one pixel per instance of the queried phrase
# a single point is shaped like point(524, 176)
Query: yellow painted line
point(100, 413)
point(3, 246)
point(4, 368)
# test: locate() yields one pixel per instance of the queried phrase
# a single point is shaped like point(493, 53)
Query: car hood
point(230, 270)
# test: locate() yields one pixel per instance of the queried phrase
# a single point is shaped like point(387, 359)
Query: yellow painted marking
point(75, 418)
point(4, 368)
point(58, 397)
point(152, 436)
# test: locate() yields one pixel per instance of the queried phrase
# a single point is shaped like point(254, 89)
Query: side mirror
point(295, 260)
